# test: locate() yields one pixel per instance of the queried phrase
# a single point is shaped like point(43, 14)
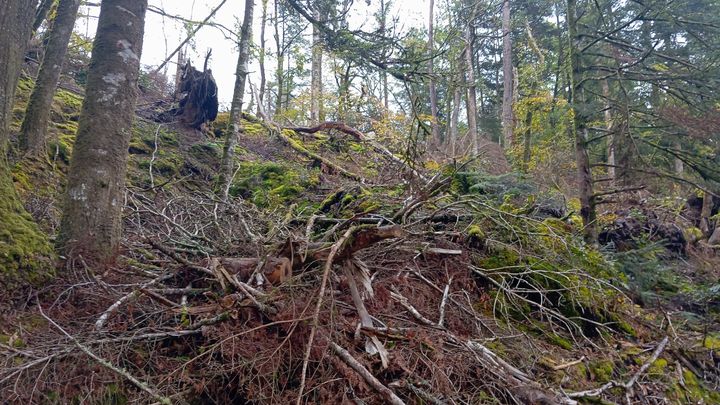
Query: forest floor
point(436, 283)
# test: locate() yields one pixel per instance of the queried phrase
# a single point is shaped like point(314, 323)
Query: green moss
point(270, 184)
point(560, 341)
point(26, 255)
point(694, 391)
point(67, 102)
point(474, 231)
point(712, 342)
point(693, 234)
point(253, 129)
point(658, 367)
point(621, 324)
point(602, 370)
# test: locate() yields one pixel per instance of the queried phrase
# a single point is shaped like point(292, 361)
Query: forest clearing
point(383, 202)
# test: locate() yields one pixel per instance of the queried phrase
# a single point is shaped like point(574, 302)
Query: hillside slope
point(436, 283)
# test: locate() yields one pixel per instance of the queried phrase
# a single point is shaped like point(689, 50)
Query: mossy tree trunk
point(227, 165)
point(91, 223)
point(579, 129)
point(34, 126)
point(24, 249)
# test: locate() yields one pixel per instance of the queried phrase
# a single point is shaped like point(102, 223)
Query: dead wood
point(360, 137)
point(291, 254)
point(386, 392)
point(199, 100)
point(276, 129)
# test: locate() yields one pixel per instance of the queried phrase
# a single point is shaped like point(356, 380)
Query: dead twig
point(142, 385)
point(127, 297)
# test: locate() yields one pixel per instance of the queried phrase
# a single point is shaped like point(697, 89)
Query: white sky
point(163, 34)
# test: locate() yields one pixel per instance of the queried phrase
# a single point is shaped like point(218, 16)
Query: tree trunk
point(471, 93)
point(679, 164)
point(433, 92)
point(280, 61)
point(227, 165)
point(383, 73)
point(454, 121)
point(527, 145)
point(24, 249)
point(609, 127)
point(316, 72)
point(41, 13)
point(34, 126)
point(179, 73)
point(261, 59)
point(706, 213)
point(579, 129)
point(507, 102)
point(91, 224)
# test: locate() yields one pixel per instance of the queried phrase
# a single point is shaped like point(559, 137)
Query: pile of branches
point(215, 300)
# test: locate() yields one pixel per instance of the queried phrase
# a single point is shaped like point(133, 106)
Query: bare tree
point(227, 165)
point(91, 222)
point(34, 126)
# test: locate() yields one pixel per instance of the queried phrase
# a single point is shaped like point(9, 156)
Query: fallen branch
point(359, 136)
point(273, 127)
point(568, 364)
point(446, 293)
point(386, 392)
point(143, 386)
point(628, 386)
point(316, 315)
point(127, 297)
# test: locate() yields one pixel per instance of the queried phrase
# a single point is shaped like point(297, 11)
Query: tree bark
point(22, 244)
point(227, 165)
point(316, 71)
point(527, 142)
point(41, 13)
point(507, 102)
point(609, 127)
point(579, 129)
point(91, 223)
point(679, 165)
point(261, 59)
point(280, 60)
point(471, 90)
point(433, 91)
point(34, 126)
point(454, 121)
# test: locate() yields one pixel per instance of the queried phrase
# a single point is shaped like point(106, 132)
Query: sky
point(163, 34)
